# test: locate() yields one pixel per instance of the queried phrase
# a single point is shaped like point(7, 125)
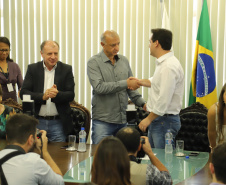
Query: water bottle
point(168, 143)
point(82, 140)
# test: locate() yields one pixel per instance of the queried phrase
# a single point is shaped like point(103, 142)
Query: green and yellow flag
point(203, 82)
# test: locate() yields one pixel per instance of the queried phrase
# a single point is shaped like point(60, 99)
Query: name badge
point(10, 87)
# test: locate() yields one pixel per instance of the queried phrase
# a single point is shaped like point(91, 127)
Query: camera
point(142, 140)
point(141, 153)
point(39, 134)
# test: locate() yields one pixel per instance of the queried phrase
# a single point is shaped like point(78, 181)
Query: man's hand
point(154, 160)
point(46, 95)
point(50, 93)
point(147, 121)
point(133, 78)
point(144, 124)
point(44, 142)
point(53, 91)
point(132, 83)
point(146, 147)
point(145, 107)
point(46, 155)
point(144, 82)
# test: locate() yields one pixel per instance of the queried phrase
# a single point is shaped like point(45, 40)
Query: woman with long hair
point(217, 120)
point(111, 165)
point(10, 73)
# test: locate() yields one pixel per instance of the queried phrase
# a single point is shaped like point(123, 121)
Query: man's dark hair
point(163, 36)
point(19, 127)
point(219, 162)
point(130, 137)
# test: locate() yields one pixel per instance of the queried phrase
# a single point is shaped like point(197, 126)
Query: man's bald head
point(108, 33)
point(130, 137)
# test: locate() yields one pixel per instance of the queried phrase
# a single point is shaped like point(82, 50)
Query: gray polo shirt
point(110, 93)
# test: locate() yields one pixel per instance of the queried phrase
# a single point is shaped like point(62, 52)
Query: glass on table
point(71, 143)
point(180, 148)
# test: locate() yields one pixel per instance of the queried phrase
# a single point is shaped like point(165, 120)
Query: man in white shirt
point(27, 167)
point(166, 89)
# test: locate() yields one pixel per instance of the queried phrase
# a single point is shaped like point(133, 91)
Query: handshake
point(135, 83)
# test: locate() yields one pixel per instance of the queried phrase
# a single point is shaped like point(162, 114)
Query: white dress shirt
point(29, 169)
point(50, 108)
point(167, 86)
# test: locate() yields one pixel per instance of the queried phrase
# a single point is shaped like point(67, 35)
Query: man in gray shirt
point(109, 75)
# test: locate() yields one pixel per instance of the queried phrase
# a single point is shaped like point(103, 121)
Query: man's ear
point(31, 140)
point(41, 53)
point(102, 44)
point(211, 167)
point(157, 43)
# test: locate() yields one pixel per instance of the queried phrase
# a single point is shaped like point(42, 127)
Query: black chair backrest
point(80, 118)
point(194, 128)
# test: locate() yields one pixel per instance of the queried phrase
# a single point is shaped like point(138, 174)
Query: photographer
point(19, 165)
point(154, 173)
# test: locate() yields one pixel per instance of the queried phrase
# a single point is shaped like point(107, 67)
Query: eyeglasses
point(4, 50)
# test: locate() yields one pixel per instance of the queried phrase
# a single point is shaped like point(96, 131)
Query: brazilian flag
point(203, 82)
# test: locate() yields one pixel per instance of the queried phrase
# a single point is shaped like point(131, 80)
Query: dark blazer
point(34, 85)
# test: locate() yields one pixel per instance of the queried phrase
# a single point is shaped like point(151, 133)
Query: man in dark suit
point(50, 83)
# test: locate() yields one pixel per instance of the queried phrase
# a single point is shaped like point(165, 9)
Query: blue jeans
point(101, 129)
point(158, 128)
point(54, 129)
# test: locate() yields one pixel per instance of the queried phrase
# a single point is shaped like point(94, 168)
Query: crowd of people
point(50, 83)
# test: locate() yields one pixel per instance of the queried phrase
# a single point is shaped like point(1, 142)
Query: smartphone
point(194, 154)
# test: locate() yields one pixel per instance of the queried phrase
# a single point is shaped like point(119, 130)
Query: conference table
point(72, 164)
